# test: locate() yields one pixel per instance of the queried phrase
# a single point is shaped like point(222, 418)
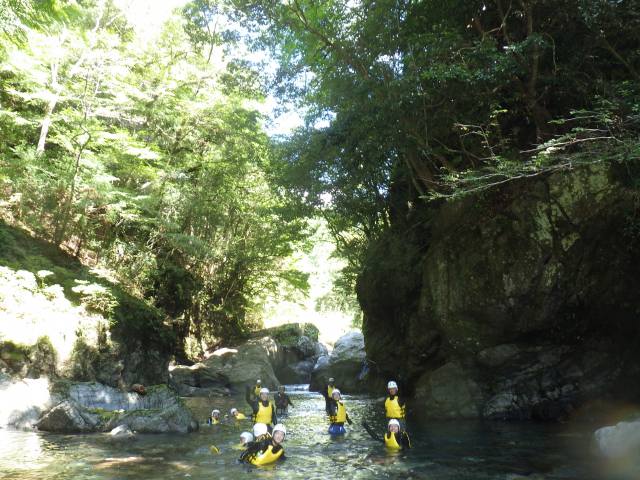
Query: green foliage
point(95, 297)
point(148, 160)
point(415, 101)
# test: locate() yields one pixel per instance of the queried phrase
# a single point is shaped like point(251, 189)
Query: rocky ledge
point(93, 407)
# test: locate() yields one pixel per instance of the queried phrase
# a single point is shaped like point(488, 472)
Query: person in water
point(269, 450)
point(263, 410)
point(395, 438)
point(282, 401)
point(256, 389)
point(245, 438)
point(327, 393)
point(235, 414)
point(261, 432)
point(394, 405)
point(337, 414)
point(214, 419)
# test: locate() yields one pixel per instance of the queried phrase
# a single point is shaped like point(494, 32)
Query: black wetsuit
point(282, 401)
point(327, 397)
point(402, 438)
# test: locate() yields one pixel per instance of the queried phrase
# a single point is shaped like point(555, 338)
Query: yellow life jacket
point(240, 416)
point(256, 391)
point(391, 442)
point(215, 421)
point(330, 390)
point(264, 413)
point(341, 414)
point(393, 408)
point(267, 457)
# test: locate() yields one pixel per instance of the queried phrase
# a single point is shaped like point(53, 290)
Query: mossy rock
point(287, 335)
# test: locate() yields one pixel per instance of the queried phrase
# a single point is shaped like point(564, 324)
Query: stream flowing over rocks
point(517, 303)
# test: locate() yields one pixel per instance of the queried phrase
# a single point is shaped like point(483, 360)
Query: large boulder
point(346, 365)
point(530, 287)
point(230, 368)
point(69, 417)
point(297, 346)
point(93, 407)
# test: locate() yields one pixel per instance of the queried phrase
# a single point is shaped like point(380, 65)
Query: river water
point(442, 450)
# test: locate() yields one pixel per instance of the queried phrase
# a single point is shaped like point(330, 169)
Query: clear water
point(447, 450)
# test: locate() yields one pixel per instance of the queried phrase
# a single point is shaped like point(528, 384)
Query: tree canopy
point(148, 158)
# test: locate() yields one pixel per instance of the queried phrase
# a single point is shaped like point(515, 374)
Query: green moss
point(11, 352)
point(105, 415)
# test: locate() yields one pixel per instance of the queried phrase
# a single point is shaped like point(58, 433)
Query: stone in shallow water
point(68, 417)
point(122, 431)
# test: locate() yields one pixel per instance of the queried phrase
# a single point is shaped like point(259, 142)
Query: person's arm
point(252, 403)
point(372, 433)
point(405, 441)
point(289, 400)
point(348, 419)
point(274, 418)
point(325, 393)
point(332, 406)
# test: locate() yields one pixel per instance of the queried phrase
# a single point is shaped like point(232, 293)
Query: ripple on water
point(443, 450)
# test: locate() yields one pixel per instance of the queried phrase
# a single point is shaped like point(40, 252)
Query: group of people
point(396, 436)
point(265, 444)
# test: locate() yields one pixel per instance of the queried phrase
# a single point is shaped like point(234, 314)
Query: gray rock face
point(345, 364)
point(289, 360)
point(448, 392)
point(531, 287)
point(230, 368)
point(67, 417)
point(92, 407)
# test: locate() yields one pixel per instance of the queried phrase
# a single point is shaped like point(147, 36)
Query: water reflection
point(443, 450)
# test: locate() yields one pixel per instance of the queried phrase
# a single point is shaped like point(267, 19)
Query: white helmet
point(258, 382)
point(335, 390)
point(214, 411)
point(331, 380)
point(247, 437)
point(391, 385)
point(233, 411)
point(259, 429)
point(279, 428)
point(393, 421)
point(264, 390)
